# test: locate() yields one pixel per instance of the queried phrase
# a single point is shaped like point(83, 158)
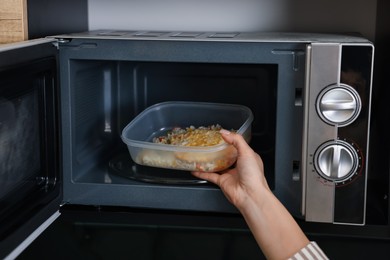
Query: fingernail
point(224, 131)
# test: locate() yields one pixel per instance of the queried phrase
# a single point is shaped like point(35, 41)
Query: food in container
point(144, 135)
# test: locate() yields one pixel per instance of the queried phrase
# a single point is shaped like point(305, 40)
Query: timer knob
point(336, 160)
point(339, 104)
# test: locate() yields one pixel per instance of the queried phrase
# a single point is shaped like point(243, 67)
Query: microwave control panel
point(336, 132)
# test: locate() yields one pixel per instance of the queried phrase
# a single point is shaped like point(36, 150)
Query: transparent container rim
point(177, 148)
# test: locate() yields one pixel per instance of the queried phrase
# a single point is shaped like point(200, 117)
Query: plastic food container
point(160, 118)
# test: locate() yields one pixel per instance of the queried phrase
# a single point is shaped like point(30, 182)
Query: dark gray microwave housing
point(83, 52)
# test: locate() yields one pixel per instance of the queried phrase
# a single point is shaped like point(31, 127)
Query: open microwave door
point(30, 170)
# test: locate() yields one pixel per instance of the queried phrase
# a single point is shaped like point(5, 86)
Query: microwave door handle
point(22, 246)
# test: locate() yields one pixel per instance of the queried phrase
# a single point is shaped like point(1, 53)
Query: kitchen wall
point(235, 15)
point(52, 17)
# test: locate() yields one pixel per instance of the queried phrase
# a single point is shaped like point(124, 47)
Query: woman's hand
point(245, 178)
point(245, 186)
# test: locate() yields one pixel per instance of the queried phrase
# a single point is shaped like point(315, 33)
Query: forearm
point(274, 229)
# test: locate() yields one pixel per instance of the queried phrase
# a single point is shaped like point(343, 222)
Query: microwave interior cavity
point(105, 83)
point(107, 95)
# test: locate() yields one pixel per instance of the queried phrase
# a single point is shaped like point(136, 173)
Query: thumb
point(236, 140)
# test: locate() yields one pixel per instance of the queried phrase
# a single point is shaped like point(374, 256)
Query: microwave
point(64, 101)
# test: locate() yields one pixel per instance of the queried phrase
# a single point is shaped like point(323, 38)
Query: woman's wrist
point(272, 225)
point(254, 199)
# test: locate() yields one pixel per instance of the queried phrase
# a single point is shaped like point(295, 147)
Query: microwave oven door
point(30, 172)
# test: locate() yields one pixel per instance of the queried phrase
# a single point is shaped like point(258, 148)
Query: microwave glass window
point(28, 156)
point(19, 140)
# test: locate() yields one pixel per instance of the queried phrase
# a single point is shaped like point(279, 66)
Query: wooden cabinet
point(13, 21)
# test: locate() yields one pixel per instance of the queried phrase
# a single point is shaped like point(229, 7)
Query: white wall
point(235, 15)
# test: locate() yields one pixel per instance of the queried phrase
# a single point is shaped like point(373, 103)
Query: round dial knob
point(336, 161)
point(339, 104)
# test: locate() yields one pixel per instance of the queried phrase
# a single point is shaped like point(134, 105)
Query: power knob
point(336, 161)
point(339, 104)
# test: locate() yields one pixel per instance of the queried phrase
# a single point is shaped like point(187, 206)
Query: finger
point(237, 141)
point(208, 176)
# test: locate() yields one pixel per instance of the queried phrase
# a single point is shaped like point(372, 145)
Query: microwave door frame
point(18, 237)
